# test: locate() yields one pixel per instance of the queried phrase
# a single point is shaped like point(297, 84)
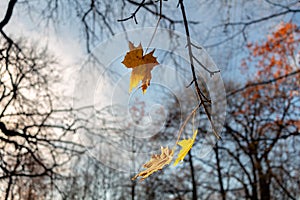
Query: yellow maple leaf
point(186, 147)
point(157, 162)
point(141, 66)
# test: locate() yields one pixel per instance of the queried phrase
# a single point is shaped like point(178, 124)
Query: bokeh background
point(56, 131)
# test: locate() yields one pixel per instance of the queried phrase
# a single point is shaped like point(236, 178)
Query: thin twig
point(170, 20)
point(133, 14)
point(211, 73)
point(263, 82)
point(196, 46)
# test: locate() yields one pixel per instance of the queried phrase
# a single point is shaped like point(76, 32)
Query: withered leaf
point(157, 162)
point(141, 66)
point(186, 147)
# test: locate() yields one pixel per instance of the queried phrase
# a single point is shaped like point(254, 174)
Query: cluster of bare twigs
point(35, 135)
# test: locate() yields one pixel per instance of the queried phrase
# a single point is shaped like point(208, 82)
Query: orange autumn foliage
point(278, 53)
point(273, 58)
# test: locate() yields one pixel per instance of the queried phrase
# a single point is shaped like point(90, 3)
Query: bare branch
point(263, 82)
point(133, 15)
point(8, 13)
point(201, 96)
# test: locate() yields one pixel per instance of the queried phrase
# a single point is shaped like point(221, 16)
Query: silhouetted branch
point(201, 96)
point(262, 19)
point(133, 15)
point(263, 82)
point(8, 13)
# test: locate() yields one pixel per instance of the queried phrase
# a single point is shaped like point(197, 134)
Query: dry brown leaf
point(157, 162)
point(141, 66)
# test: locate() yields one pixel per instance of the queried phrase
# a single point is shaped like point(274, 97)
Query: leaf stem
point(160, 16)
point(184, 124)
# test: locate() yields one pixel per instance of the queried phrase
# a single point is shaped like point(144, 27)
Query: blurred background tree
point(257, 159)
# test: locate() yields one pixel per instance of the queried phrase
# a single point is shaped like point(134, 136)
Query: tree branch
point(8, 14)
point(263, 82)
point(201, 96)
point(133, 14)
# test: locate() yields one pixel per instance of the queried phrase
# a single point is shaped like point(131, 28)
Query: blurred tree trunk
point(194, 184)
point(132, 190)
point(222, 191)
